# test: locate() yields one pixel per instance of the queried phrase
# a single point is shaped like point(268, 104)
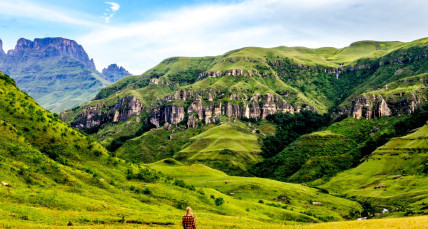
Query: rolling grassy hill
point(254, 193)
point(394, 176)
point(225, 147)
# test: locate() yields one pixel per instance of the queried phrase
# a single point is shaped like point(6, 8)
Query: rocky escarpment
point(48, 47)
point(114, 73)
point(205, 107)
point(209, 106)
point(409, 94)
point(372, 106)
point(93, 116)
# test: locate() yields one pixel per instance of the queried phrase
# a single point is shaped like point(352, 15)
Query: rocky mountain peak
point(2, 53)
point(114, 73)
point(42, 48)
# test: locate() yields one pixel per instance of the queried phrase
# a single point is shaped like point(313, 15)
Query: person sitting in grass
point(189, 219)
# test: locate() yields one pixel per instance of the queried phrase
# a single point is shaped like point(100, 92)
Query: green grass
point(156, 144)
point(225, 147)
point(400, 89)
point(405, 156)
point(60, 83)
point(249, 191)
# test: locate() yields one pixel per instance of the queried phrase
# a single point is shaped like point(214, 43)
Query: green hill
point(394, 176)
point(224, 147)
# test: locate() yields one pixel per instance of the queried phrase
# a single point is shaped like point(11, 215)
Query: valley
point(286, 137)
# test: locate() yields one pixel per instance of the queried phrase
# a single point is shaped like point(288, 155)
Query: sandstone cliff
point(93, 116)
point(201, 108)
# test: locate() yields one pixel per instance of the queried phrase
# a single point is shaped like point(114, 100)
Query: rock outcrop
point(93, 116)
point(2, 53)
point(205, 107)
point(114, 73)
point(48, 47)
point(369, 107)
point(235, 106)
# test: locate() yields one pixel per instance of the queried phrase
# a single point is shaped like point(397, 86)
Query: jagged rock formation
point(370, 107)
point(57, 72)
point(2, 53)
point(94, 116)
point(48, 47)
point(201, 109)
point(114, 73)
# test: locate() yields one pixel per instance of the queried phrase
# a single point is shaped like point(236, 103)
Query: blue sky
point(140, 34)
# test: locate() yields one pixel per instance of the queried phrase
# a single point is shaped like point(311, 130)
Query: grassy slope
point(249, 192)
point(406, 155)
point(156, 144)
point(319, 155)
point(405, 86)
point(61, 83)
point(59, 175)
point(226, 147)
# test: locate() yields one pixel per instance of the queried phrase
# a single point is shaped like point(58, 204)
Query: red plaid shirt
point(189, 222)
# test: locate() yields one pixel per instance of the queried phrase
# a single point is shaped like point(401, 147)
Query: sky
point(139, 34)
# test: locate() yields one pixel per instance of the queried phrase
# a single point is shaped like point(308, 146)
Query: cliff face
point(376, 106)
point(398, 98)
point(202, 108)
point(114, 73)
point(48, 47)
point(93, 116)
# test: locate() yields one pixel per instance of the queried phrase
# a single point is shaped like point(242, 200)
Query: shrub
point(181, 204)
point(261, 202)
point(97, 153)
point(147, 191)
point(144, 175)
point(219, 201)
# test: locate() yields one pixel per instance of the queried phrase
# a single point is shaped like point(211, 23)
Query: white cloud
point(29, 10)
point(213, 29)
point(111, 11)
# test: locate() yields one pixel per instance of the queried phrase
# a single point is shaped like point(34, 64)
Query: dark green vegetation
point(340, 146)
point(59, 175)
point(394, 176)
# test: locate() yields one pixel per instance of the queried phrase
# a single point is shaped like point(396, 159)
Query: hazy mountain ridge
point(57, 72)
point(114, 73)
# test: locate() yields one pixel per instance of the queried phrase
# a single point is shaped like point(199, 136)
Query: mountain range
point(368, 79)
point(253, 138)
point(57, 72)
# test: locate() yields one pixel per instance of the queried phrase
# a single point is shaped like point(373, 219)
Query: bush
point(181, 204)
point(219, 201)
point(261, 202)
point(147, 191)
point(97, 153)
point(144, 175)
point(181, 183)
